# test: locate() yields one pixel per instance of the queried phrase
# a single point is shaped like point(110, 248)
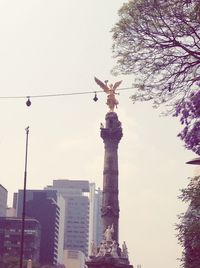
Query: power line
point(58, 94)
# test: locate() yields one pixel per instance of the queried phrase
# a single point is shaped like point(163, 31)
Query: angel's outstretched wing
point(117, 84)
point(102, 85)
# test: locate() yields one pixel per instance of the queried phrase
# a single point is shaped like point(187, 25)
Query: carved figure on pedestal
point(124, 250)
point(114, 249)
point(93, 249)
point(102, 250)
point(108, 233)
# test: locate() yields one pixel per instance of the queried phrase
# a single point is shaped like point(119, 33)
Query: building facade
point(76, 213)
point(95, 228)
point(74, 259)
point(3, 201)
point(10, 238)
point(48, 208)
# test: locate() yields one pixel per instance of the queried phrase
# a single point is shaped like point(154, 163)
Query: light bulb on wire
point(95, 97)
point(28, 102)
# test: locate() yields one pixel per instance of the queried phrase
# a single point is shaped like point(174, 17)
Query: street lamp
point(195, 161)
point(24, 201)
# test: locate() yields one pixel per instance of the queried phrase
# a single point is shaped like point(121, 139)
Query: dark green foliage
point(189, 226)
point(189, 113)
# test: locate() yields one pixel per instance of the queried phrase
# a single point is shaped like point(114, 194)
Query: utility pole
point(24, 201)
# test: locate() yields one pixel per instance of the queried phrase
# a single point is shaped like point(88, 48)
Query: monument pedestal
point(109, 254)
point(108, 262)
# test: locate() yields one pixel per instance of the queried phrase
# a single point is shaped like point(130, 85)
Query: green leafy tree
point(189, 226)
point(159, 42)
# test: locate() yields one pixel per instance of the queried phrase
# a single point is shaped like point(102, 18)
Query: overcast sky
point(54, 47)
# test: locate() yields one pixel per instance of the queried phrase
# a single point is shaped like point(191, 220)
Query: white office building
point(95, 224)
point(75, 194)
point(74, 258)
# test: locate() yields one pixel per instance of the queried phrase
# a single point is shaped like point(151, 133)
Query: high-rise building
point(10, 238)
point(3, 201)
point(18, 198)
point(95, 227)
point(76, 213)
point(48, 208)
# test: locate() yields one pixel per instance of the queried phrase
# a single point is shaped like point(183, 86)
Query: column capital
point(112, 136)
point(112, 132)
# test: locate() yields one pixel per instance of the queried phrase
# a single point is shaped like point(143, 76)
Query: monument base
point(108, 262)
point(108, 254)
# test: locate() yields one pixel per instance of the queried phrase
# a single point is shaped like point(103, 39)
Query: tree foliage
point(159, 42)
point(189, 226)
point(189, 112)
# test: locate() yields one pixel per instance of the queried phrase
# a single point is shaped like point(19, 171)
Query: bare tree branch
point(158, 42)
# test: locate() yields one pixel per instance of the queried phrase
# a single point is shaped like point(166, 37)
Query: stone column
point(111, 135)
point(108, 254)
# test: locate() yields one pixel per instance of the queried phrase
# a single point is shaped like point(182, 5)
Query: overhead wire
point(58, 94)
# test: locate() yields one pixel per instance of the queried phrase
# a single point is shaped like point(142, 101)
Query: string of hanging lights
point(28, 98)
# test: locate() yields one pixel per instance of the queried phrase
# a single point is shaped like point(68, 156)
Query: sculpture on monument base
point(114, 250)
point(124, 250)
point(109, 247)
point(112, 102)
point(93, 249)
point(108, 233)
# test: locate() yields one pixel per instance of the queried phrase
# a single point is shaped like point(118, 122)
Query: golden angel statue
point(112, 102)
